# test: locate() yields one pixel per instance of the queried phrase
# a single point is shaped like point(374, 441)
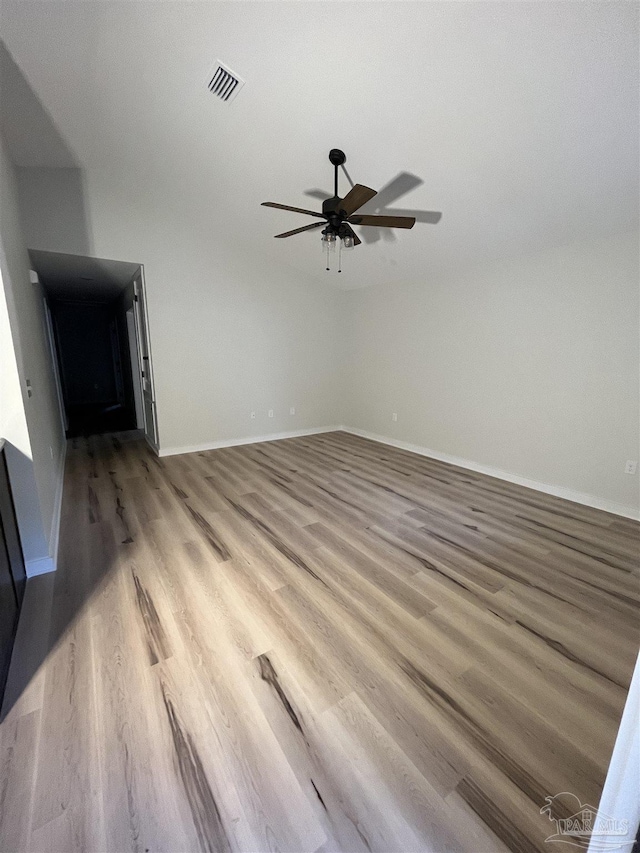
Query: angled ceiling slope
point(518, 120)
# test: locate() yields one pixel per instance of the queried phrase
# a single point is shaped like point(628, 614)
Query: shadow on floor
point(83, 567)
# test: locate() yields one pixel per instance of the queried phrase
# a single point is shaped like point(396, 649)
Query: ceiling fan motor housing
point(331, 209)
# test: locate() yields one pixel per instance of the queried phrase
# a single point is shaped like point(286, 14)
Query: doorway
point(93, 358)
point(99, 333)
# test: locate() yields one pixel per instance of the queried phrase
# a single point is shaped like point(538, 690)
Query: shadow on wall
point(45, 167)
point(44, 163)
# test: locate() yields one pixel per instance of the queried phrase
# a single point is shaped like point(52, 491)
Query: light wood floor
point(318, 644)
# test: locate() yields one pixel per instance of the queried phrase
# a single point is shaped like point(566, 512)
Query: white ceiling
point(77, 277)
point(519, 119)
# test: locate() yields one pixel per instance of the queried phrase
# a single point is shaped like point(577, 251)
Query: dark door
point(8, 612)
point(90, 355)
point(12, 574)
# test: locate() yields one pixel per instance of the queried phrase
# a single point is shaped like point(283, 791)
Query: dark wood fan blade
point(356, 197)
point(384, 221)
point(294, 209)
point(299, 230)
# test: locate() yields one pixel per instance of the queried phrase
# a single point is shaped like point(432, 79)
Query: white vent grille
point(224, 83)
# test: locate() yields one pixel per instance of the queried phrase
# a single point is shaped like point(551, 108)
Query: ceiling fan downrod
point(338, 158)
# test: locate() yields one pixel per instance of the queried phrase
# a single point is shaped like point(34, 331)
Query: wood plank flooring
point(317, 644)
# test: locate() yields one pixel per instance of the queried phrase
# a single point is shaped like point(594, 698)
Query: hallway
point(314, 644)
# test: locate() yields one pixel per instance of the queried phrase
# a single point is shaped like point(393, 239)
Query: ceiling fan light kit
point(338, 215)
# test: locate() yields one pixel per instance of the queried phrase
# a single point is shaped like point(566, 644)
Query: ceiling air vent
point(224, 82)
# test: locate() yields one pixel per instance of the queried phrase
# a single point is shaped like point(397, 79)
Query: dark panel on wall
point(12, 571)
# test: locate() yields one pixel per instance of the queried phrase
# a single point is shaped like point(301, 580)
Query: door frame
point(135, 366)
point(145, 362)
point(55, 363)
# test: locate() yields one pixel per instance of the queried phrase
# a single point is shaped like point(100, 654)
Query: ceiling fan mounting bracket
point(337, 157)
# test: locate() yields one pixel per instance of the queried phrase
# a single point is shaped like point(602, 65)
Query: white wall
point(31, 424)
point(228, 336)
point(530, 366)
point(13, 428)
point(70, 226)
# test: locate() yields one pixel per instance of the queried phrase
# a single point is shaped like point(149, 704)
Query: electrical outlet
point(292, 410)
point(270, 413)
point(630, 467)
point(253, 416)
point(394, 416)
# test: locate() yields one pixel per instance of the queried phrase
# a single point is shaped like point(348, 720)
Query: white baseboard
point(40, 566)
point(253, 439)
point(557, 491)
point(54, 533)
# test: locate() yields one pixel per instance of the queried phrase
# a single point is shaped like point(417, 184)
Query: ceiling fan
point(339, 214)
